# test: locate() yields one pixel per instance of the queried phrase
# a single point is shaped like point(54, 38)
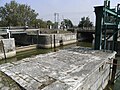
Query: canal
point(33, 52)
point(8, 84)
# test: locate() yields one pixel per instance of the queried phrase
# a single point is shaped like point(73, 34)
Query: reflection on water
point(34, 52)
point(26, 54)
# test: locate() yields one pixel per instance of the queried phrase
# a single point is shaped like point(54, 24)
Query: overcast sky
point(70, 9)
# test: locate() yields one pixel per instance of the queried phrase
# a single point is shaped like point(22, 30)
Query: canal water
point(7, 83)
point(32, 53)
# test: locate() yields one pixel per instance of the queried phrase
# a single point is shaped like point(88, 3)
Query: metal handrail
point(117, 75)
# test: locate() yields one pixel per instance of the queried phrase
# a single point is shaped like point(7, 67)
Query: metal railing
point(117, 75)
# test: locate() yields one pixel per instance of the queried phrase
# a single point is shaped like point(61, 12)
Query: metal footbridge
point(16, 30)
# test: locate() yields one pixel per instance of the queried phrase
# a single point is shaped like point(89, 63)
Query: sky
point(67, 9)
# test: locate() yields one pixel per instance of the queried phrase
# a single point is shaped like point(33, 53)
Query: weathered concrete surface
point(25, 48)
point(9, 47)
point(72, 69)
point(45, 40)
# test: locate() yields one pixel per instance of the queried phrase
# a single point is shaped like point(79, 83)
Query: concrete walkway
point(62, 70)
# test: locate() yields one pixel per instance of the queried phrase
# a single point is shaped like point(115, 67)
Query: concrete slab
point(9, 48)
point(71, 69)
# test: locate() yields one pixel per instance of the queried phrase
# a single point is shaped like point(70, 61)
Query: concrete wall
point(47, 40)
point(21, 39)
point(85, 36)
point(9, 47)
point(98, 79)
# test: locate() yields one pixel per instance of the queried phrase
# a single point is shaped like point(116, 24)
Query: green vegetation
point(66, 23)
point(49, 24)
point(14, 14)
point(85, 22)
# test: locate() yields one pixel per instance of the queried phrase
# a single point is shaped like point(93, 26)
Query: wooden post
point(54, 41)
point(54, 44)
point(3, 50)
point(37, 38)
point(113, 70)
point(51, 40)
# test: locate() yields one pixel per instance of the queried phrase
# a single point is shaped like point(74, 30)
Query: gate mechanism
point(107, 20)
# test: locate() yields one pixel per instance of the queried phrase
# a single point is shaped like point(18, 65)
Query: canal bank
point(25, 48)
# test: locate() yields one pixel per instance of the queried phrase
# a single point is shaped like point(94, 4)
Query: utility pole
point(56, 20)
